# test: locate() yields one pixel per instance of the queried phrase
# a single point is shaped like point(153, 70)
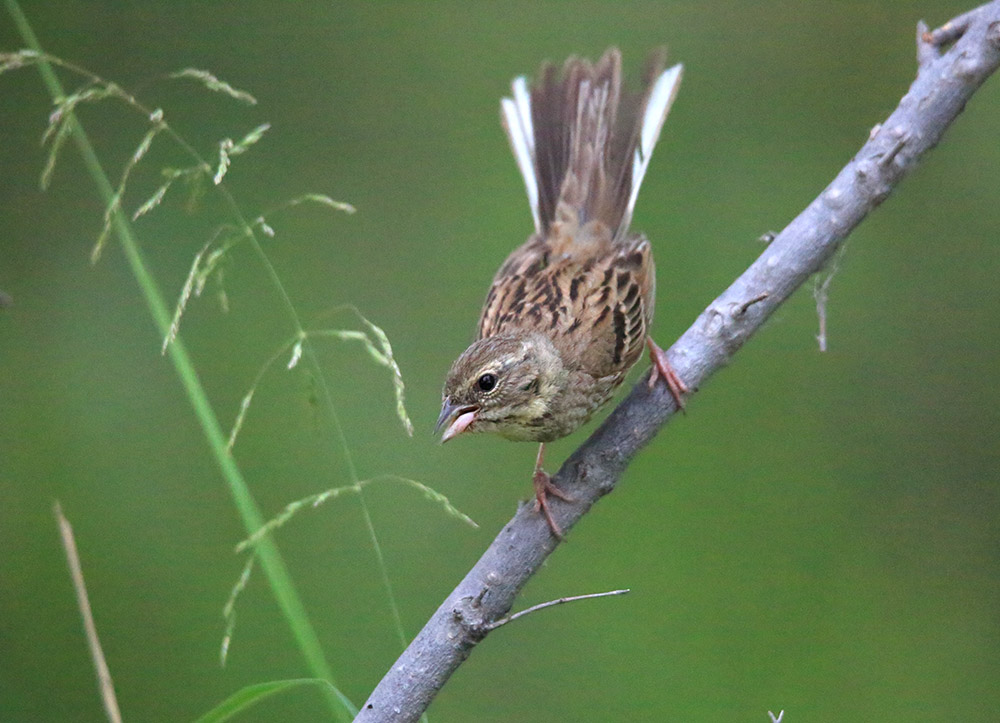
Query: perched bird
point(569, 311)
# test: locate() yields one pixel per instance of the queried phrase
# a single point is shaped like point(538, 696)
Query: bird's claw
point(662, 368)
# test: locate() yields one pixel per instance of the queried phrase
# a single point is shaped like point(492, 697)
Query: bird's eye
point(486, 382)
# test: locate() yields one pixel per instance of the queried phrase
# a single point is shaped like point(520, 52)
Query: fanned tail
point(582, 143)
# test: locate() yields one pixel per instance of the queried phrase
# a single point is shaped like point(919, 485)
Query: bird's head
point(503, 384)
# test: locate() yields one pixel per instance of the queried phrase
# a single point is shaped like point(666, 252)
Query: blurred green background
point(818, 534)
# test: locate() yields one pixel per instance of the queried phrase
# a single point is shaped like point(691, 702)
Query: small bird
point(569, 311)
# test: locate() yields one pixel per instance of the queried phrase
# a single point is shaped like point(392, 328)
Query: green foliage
point(207, 263)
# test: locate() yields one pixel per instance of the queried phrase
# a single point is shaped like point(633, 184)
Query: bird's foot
point(662, 368)
point(543, 488)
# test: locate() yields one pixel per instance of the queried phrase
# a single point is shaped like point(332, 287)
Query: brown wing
point(618, 307)
point(597, 313)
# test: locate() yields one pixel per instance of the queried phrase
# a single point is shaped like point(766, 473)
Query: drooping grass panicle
point(383, 357)
point(376, 343)
point(322, 199)
point(214, 84)
point(240, 416)
point(250, 139)
point(397, 376)
point(17, 60)
point(431, 494)
point(95, 89)
point(229, 148)
point(92, 91)
point(206, 264)
point(201, 269)
point(313, 501)
point(115, 206)
point(229, 609)
point(289, 511)
point(169, 175)
point(59, 135)
point(296, 343)
point(264, 226)
point(296, 355)
point(225, 146)
point(59, 126)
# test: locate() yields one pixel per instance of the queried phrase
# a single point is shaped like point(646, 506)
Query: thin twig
point(104, 681)
point(552, 603)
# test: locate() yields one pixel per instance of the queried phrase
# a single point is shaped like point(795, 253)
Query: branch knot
point(469, 624)
point(993, 34)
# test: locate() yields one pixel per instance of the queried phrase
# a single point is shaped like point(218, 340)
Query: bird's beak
point(454, 419)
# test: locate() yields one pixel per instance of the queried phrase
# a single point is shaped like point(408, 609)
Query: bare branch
point(945, 82)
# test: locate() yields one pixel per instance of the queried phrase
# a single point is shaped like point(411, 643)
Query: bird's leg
point(662, 368)
point(544, 488)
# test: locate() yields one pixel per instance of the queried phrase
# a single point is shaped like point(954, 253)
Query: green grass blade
point(253, 694)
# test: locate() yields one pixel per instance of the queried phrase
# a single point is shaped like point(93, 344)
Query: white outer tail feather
point(516, 114)
point(660, 99)
point(517, 118)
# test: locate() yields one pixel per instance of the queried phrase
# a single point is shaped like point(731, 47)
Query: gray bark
point(946, 79)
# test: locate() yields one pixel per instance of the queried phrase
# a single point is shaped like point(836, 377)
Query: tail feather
point(588, 184)
point(659, 98)
point(583, 143)
point(516, 116)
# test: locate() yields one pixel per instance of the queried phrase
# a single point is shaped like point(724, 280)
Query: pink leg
point(544, 488)
point(662, 368)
